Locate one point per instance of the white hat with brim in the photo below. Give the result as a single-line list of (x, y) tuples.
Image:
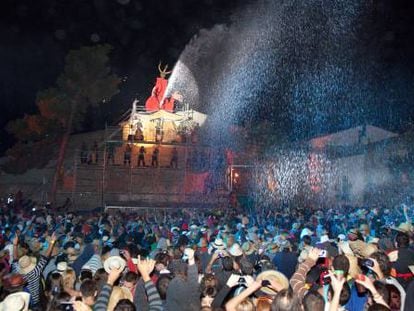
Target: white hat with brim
[(324, 239), (26, 264), (342, 237), (404, 227), (273, 275), (248, 248), (114, 262), (17, 302), (235, 250), (306, 231), (62, 266), (218, 244)]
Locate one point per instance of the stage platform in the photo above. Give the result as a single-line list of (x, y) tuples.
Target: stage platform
[(147, 207)]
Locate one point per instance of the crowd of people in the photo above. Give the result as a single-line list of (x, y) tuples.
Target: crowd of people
[(283, 258)]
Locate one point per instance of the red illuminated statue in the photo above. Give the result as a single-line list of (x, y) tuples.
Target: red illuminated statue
[(157, 101)]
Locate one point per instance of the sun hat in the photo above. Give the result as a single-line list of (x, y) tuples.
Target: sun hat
[(62, 266), (273, 275), (114, 262), (404, 227), (341, 237), (248, 248), (17, 302), (273, 248), (324, 239), (235, 250), (306, 231), (26, 264), (218, 244)]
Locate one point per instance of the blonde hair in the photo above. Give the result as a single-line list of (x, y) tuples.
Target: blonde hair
[(246, 305), (263, 303), (354, 269), (118, 293), (69, 278)]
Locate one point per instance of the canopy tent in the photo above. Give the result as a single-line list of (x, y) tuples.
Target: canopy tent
[(360, 135)]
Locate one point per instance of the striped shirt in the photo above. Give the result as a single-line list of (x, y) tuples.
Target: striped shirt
[(94, 263), (33, 279), (154, 299)]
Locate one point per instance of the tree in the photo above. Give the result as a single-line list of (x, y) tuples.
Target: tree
[(86, 81)]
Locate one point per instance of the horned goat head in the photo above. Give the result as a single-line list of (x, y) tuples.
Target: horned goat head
[(163, 72)]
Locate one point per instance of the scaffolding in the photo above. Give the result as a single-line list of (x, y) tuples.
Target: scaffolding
[(108, 182)]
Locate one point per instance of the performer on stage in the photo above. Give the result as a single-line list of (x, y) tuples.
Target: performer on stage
[(141, 156), (155, 154)]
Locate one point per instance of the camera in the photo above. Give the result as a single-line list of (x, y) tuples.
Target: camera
[(324, 278), (323, 253), (367, 263), (265, 283)]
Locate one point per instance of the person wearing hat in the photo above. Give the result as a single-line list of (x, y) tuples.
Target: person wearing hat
[(404, 259), (249, 250), (31, 270), (285, 260), (13, 282), (306, 247), (18, 301), (183, 291), (365, 232)]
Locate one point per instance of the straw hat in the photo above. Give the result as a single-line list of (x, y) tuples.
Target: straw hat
[(114, 262), (248, 248), (362, 249), (306, 231), (273, 248), (17, 302), (235, 250), (324, 239), (404, 227), (26, 264), (274, 275), (61, 267), (218, 244)]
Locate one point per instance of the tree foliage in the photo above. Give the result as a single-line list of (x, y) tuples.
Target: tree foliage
[(86, 81)]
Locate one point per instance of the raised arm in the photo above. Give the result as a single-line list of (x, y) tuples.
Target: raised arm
[(298, 279), (103, 299), (232, 304), (145, 267)]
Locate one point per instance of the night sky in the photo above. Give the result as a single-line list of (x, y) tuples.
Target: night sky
[(36, 35)]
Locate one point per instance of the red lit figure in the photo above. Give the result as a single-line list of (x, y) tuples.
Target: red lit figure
[(157, 101)]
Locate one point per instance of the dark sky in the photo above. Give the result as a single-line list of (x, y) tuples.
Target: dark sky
[(36, 35)]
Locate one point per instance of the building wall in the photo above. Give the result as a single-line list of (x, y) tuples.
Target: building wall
[(362, 172)]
